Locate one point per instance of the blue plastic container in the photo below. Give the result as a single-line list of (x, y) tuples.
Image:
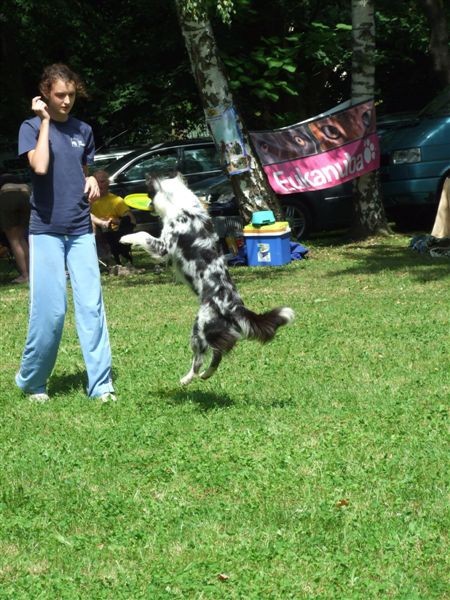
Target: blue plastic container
[(262, 217), (268, 249)]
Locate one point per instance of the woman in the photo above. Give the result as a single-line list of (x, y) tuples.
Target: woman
[(59, 148), (14, 217)]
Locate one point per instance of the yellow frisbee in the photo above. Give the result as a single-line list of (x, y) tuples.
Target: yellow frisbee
[(139, 201)]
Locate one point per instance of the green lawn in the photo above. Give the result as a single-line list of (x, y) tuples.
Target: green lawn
[(313, 467)]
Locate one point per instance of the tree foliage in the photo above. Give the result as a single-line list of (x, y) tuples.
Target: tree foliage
[(286, 60), (138, 79)]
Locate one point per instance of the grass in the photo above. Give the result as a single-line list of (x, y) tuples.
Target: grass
[(315, 467)]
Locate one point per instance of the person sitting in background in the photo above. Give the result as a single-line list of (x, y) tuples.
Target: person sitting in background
[(112, 219), (14, 220), (441, 227)]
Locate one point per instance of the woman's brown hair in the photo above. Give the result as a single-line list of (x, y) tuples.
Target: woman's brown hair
[(60, 71)]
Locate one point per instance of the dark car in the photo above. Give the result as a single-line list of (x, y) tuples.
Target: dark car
[(196, 159), (104, 157), (119, 145), (199, 162), (321, 210)]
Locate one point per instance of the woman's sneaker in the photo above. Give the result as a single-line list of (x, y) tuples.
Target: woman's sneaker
[(107, 397), (40, 398)]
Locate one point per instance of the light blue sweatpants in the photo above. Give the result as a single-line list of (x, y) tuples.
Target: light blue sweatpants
[(49, 256)]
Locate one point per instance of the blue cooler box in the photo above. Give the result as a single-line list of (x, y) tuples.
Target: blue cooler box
[(268, 249)]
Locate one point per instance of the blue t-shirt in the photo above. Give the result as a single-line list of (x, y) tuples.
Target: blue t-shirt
[(58, 202)]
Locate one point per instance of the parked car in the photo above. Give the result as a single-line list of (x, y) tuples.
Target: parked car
[(415, 160), (321, 210), (390, 121), (199, 161), (117, 146), (106, 156), (196, 159)]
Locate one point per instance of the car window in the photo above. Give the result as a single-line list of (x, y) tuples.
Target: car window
[(100, 163), (199, 160), (158, 160)]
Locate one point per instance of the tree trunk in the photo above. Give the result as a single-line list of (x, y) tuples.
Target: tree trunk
[(437, 19), (370, 217), (250, 187)]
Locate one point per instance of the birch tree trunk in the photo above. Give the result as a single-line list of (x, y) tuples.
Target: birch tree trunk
[(370, 217), (251, 188)]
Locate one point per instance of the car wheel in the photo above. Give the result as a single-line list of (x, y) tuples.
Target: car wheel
[(299, 218)]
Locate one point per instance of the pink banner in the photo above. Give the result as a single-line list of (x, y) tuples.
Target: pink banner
[(321, 152), (327, 169)]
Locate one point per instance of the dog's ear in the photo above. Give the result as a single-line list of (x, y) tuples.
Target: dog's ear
[(155, 176), (163, 173), (150, 182)]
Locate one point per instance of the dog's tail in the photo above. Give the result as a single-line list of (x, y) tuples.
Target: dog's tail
[(263, 327)]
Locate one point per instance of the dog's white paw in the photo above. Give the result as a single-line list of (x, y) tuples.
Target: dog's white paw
[(186, 380), (135, 239)]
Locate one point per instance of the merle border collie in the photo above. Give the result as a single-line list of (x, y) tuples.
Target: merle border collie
[(189, 242)]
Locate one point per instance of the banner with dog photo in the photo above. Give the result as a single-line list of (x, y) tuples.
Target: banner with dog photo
[(223, 122), (321, 152)]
